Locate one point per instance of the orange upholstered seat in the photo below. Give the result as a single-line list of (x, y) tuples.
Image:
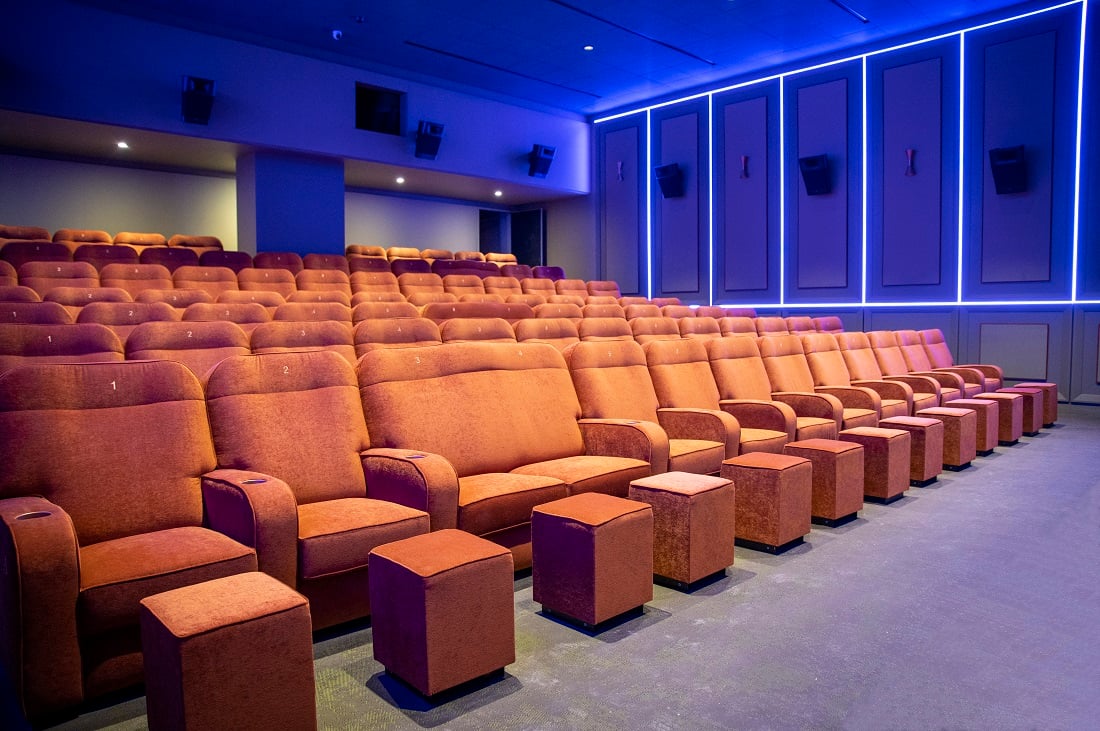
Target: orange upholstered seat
[(179, 298), (21, 344), (198, 244), (198, 345), (287, 260), (604, 328), (326, 261), (42, 276), (397, 332), (123, 317), (560, 332), (323, 280), (302, 311), (289, 337), (100, 255), (276, 280), (648, 329), (172, 258), (140, 241), (32, 312), (480, 329), (859, 357), (211, 279), (246, 315), (972, 382), (939, 355), (18, 253), (235, 260), (886, 398), (74, 299), (891, 361), (702, 328), (135, 278)]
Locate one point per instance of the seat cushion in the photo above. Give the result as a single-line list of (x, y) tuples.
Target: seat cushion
[(894, 407), (765, 440), (337, 535), (117, 574), (812, 427), (923, 401), (698, 456), (949, 394), (973, 389), (497, 500), (586, 473), (859, 417)]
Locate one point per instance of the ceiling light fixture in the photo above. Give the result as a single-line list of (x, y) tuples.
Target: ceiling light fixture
[(122, 145), (400, 180), (590, 47), (498, 193)]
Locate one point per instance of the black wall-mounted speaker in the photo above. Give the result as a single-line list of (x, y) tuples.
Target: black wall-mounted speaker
[(1009, 168), (816, 174), (670, 178), (197, 100), (538, 161), (428, 137)]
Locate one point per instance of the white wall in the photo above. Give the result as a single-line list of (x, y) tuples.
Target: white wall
[(55, 194), (382, 220)]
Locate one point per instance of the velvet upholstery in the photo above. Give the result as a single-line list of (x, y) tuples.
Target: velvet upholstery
[(135, 277), (604, 288), (289, 337), (339, 296), (74, 299), (269, 279), (18, 253), (286, 260), (500, 258), (634, 311), (469, 256), (552, 273), (170, 259), (22, 344), (269, 300), (232, 260), (463, 284), (487, 329), (337, 262), (770, 325), (9, 277), (569, 310), (178, 298), (939, 355), (34, 313), (441, 311), (374, 282), (369, 264), (837, 476), (30, 233), (103, 544), (245, 315), (382, 310), (959, 434), (199, 244), (212, 279), (800, 324), (886, 454), (789, 373), (502, 285), (16, 293), (559, 332), (862, 366), (603, 310), (730, 326), (987, 421), (42, 276), (649, 329), (703, 328), (323, 280), (73, 237), (1010, 415), (303, 312), (827, 365), (364, 250), (574, 287), (412, 285), (916, 360), (774, 497), (1033, 407), (123, 317), (1050, 399), (517, 271), (829, 324), (604, 328), (397, 332), (140, 240), (892, 362), (538, 285), (926, 445), (198, 345), (410, 266), (100, 255)]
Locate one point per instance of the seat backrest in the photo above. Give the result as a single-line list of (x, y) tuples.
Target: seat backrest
[(431, 255), (608, 310), (699, 327), (360, 297), (395, 332), (139, 240), (74, 237), (738, 370), (283, 337), (304, 311), (501, 285), (469, 256), (34, 313), (287, 260), (379, 310), (648, 329), (123, 317), (199, 244), (326, 261), (531, 416), (800, 324), (245, 314), (440, 311), (9, 277), (887, 352), (548, 272), (280, 281), (320, 295), (488, 329), (16, 293), (665, 301), (856, 350), (825, 359), (677, 311), (462, 284), (711, 311), (172, 258), (211, 279), (422, 283), (198, 345), (829, 324), (935, 346), (443, 267), (575, 287), (604, 288), (269, 300), (500, 258), (786, 363), (604, 328), (566, 299), (368, 264), (634, 311), (771, 326), (18, 253), (135, 278), (383, 281), (100, 255), (518, 271), (681, 374), (559, 309), (740, 312), (402, 252), (179, 298), (324, 280), (629, 300), (410, 266), (557, 331), (601, 300), (737, 326), (612, 380), (27, 233), (141, 484), (912, 349), (74, 299), (540, 286), (42, 276), (235, 260), (21, 344), (364, 250)]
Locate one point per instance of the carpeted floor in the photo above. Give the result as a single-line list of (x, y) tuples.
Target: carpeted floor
[(970, 604)]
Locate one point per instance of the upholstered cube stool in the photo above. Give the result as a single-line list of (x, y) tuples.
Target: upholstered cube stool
[(960, 427), (1033, 407), (235, 652), (442, 608), (1050, 400), (837, 494), (592, 556), (925, 446), (693, 524), (1010, 416), (985, 424), (885, 461), (774, 499)]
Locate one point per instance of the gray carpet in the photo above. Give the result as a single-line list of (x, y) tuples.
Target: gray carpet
[(971, 604)]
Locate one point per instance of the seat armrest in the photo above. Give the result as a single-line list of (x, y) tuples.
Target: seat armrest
[(919, 384), (819, 405), (706, 424), (854, 397), (967, 373), (40, 564), (944, 378), (258, 511), (986, 369), (420, 480), (642, 440), (890, 390), (758, 414)]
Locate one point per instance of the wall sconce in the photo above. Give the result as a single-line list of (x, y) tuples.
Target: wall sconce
[(744, 167), (910, 171)]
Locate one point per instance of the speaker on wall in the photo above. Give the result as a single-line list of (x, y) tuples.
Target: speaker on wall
[(670, 179), (197, 100), (1009, 168), (428, 137), (816, 174), (538, 161)]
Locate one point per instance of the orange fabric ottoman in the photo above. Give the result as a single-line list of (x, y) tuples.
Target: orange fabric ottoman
[(837, 478), (442, 608), (885, 461), (693, 524), (1050, 400), (592, 556), (774, 499), (1010, 416), (235, 652), (1033, 407), (926, 437), (960, 431), (986, 421)]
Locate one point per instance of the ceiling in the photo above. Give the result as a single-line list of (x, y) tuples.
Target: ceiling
[(526, 52)]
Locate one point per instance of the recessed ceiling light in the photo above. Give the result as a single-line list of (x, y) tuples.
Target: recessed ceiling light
[(400, 180), (590, 47), (498, 193), (122, 145)]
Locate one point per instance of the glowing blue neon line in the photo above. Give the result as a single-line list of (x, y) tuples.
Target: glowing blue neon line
[(863, 192), (648, 207), (782, 192), (1077, 154), (961, 193), (710, 194)]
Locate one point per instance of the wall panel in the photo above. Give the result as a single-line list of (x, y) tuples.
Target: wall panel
[(1086, 355), (621, 180), (1029, 343)]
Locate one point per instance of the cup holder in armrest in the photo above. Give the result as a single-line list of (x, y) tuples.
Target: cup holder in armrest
[(254, 481), (34, 514)]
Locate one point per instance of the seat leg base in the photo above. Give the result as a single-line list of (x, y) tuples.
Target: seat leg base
[(883, 500), (767, 547), (834, 522), (958, 467), (985, 452), (922, 483), (1013, 443)]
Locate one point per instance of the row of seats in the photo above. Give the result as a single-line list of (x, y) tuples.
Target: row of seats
[(463, 435), (74, 238)]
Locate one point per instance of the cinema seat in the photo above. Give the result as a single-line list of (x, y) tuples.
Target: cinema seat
[(886, 398), (211, 279), (481, 329), (421, 289), (939, 355), (320, 295), (519, 272), (648, 329), (246, 315), (379, 310), (198, 244), (367, 264), (22, 233), (430, 255), (469, 256), (18, 253), (504, 286), (566, 299), (711, 311), (560, 332), (604, 310), (135, 278), (665, 301), (506, 436), (677, 311), (235, 260), (542, 287), (410, 266), (42, 276), (9, 277), (771, 326), (603, 288), (383, 281), (892, 362), (613, 381), (123, 317), (75, 299), (140, 241), (294, 337), (829, 324), (81, 553), (181, 299), (100, 255), (323, 280), (737, 325), (74, 238), (17, 293), (269, 300), (326, 261), (629, 300), (500, 259), (604, 328), (789, 372), (463, 284), (286, 260), (572, 287), (860, 360), (303, 312), (171, 258), (365, 251), (682, 378), (22, 344), (917, 361), (556, 310), (548, 272), (634, 311), (800, 324), (280, 281), (441, 311), (396, 332), (34, 313), (700, 328), (198, 345)]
